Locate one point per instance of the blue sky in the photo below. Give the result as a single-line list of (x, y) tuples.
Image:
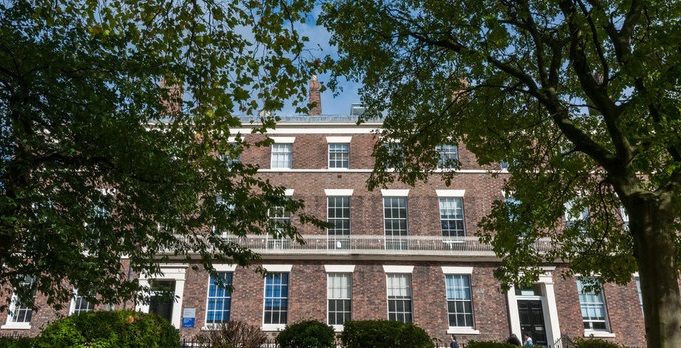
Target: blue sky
[(320, 47)]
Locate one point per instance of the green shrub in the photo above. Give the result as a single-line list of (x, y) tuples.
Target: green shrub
[(17, 342), (384, 334), (307, 334), (489, 344), (124, 329), (232, 334), (595, 343)]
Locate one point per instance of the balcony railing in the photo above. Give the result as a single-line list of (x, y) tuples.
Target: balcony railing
[(373, 244)]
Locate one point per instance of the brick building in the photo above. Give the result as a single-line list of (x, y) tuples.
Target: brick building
[(401, 253)]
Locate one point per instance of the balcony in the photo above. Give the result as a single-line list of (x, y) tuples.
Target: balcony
[(374, 245)]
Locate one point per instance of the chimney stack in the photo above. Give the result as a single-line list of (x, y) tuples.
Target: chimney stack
[(315, 97)]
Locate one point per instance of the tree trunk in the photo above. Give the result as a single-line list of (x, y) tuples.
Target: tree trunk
[(655, 245)]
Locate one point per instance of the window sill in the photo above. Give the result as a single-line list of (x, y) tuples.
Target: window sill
[(598, 334), (337, 328), (462, 331), (273, 327), (211, 327), (16, 326)]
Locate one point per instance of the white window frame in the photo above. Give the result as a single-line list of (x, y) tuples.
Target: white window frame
[(457, 205), (467, 271), (227, 298), (15, 306), (445, 153), (78, 301), (391, 204), (396, 293), (590, 305), (282, 148), (339, 294), (276, 270), (338, 148), (342, 240)]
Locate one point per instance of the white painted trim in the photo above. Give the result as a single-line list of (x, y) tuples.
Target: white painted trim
[(598, 334), (288, 192), (457, 270), (338, 192), (462, 331), (339, 269), (16, 326), (168, 272), (278, 268), (283, 140), (450, 193), (549, 307), (223, 267), (338, 140), (398, 269), (395, 193), (273, 327)]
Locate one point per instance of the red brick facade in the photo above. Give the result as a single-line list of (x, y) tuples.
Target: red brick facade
[(495, 312)]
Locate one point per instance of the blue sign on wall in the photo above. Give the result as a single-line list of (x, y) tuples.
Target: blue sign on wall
[(188, 322)]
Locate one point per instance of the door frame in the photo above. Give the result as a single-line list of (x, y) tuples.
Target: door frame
[(548, 300), (168, 272)]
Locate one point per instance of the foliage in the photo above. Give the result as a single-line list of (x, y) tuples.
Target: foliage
[(123, 328), (595, 343), (115, 121), (383, 334), (233, 334), (580, 97), (307, 334), (489, 344), (17, 342)]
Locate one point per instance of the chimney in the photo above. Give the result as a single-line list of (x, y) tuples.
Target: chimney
[(315, 97)]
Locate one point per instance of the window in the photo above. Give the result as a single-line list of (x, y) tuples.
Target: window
[(451, 217), (219, 303), (594, 314), (576, 216), (339, 155), (625, 218), (20, 311), (448, 156), (279, 225), (80, 305), (638, 290), (276, 298), (459, 304), (395, 222), (282, 156), (231, 159), (339, 294), (399, 297), (338, 214), (394, 155)]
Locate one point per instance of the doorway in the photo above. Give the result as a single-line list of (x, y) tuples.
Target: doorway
[(162, 298), (531, 315)]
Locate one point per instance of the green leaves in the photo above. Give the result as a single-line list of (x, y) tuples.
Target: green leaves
[(124, 107), (582, 99)]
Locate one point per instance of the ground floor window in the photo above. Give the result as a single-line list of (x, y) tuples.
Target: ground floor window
[(276, 298), (219, 303), (459, 304), (399, 297)]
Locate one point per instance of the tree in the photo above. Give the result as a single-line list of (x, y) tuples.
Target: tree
[(581, 98), (116, 143)]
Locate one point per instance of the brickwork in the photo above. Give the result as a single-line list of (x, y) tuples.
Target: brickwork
[(309, 177)]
